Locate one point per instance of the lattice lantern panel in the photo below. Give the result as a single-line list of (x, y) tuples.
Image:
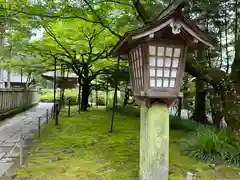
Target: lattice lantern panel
[(163, 66), (136, 65)]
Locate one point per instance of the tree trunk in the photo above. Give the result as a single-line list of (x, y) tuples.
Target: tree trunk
[(220, 43), (96, 97), (180, 108), (126, 96), (200, 101), (216, 108), (107, 91), (226, 37), (91, 93), (85, 89), (62, 90), (79, 95), (85, 92)]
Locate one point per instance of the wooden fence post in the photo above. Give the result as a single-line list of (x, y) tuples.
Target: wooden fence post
[(56, 114), (47, 117), (39, 126), (69, 107), (21, 155)]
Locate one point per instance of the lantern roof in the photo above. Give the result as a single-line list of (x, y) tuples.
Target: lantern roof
[(50, 75), (66, 81), (172, 17)]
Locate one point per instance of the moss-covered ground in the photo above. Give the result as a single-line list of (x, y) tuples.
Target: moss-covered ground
[(82, 148)]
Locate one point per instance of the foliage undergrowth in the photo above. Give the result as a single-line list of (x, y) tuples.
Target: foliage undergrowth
[(185, 125), (81, 148), (49, 96), (129, 110), (101, 99), (176, 123), (213, 145)]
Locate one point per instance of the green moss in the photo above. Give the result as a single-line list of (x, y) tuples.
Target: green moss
[(81, 147)]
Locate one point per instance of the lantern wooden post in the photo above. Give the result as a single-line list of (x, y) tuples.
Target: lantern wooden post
[(143, 141), (157, 142), (154, 140)]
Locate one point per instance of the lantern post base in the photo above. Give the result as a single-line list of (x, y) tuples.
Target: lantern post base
[(154, 142)]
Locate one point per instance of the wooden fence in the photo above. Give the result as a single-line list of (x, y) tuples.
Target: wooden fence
[(17, 98)]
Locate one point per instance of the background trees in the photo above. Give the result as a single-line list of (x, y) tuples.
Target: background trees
[(80, 34)]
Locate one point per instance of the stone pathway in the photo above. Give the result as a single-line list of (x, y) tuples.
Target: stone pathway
[(10, 131)]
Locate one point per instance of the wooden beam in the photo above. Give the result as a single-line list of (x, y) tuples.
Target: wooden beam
[(152, 31), (190, 31)]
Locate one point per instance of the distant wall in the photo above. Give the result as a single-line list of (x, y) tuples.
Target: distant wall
[(17, 98), (2, 84)]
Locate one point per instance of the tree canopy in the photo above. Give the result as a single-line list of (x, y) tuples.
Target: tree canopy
[(81, 34)]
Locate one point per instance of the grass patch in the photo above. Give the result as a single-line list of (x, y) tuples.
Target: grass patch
[(81, 148)]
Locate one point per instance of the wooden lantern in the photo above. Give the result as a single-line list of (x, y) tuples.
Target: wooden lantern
[(157, 69), (66, 81), (157, 53)]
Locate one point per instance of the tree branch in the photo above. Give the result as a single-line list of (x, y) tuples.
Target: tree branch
[(50, 33), (49, 16), (115, 2), (141, 11), (213, 76), (94, 75), (91, 38), (100, 20), (104, 54)]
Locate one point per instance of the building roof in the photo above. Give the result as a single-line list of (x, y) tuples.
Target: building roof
[(67, 81), (58, 74), (14, 78), (171, 15)]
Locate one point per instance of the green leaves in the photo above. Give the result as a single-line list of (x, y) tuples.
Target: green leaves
[(83, 32)]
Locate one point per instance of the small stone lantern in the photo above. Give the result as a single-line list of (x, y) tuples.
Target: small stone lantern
[(156, 53)]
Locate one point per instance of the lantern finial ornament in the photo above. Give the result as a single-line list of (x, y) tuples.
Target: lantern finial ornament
[(176, 27)]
